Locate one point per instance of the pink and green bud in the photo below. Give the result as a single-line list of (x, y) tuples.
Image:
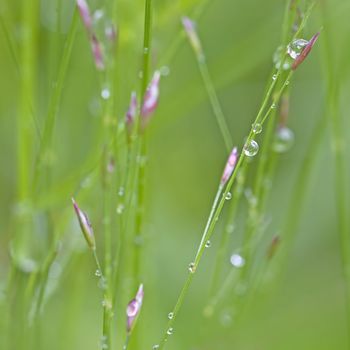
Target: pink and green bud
[(133, 310), (85, 15), (131, 113), (307, 49), (150, 100), (230, 166), (85, 226), (191, 32)]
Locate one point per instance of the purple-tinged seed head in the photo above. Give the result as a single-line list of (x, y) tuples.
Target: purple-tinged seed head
[(85, 15), (191, 32), (97, 53), (230, 166), (307, 49), (133, 309), (150, 100), (131, 113), (85, 225)]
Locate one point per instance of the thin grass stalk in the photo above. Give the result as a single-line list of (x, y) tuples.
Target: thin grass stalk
[(142, 145), (215, 103), (213, 217), (211, 223)]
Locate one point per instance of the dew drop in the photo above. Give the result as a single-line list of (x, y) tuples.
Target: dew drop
[(295, 48), (120, 209), (192, 267), (228, 196), (121, 192), (287, 82), (164, 71), (251, 148), (170, 331), (98, 273), (155, 347), (273, 106), (278, 58), (170, 315), (284, 140), (237, 261), (208, 244), (257, 128), (105, 94), (274, 77), (146, 50)]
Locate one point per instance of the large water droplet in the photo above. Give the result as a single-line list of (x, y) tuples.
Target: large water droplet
[(192, 267), (257, 128), (155, 347), (98, 273), (228, 196), (170, 331), (170, 315), (237, 260), (251, 148), (284, 140), (274, 77), (295, 48)]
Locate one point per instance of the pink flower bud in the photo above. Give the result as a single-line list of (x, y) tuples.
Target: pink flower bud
[(133, 309), (150, 100), (97, 53), (85, 226), (300, 59), (230, 166), (191, 32), (131, 113), (85, 15)]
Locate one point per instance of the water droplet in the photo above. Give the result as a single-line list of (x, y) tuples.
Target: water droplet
[(237, 261), (120, 208), (284, 140), (155, 347), (102, 283), (228, 196), (165, 71), (295, 48), (230, 228), (105, 94), (257, 128), (121, 192), (145, 50), (98, 273), (170, 331), (278, 58), (170, 315), (251, 148), (226, 319), (287, 82), (273, 106), (208, 244), (274, 77), (192, 267)]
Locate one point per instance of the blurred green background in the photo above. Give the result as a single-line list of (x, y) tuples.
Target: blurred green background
[(186, 157)]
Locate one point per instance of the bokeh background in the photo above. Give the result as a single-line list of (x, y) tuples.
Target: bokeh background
[(306, 310)]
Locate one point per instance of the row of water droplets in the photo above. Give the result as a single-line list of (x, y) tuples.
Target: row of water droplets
[(284, 137)]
